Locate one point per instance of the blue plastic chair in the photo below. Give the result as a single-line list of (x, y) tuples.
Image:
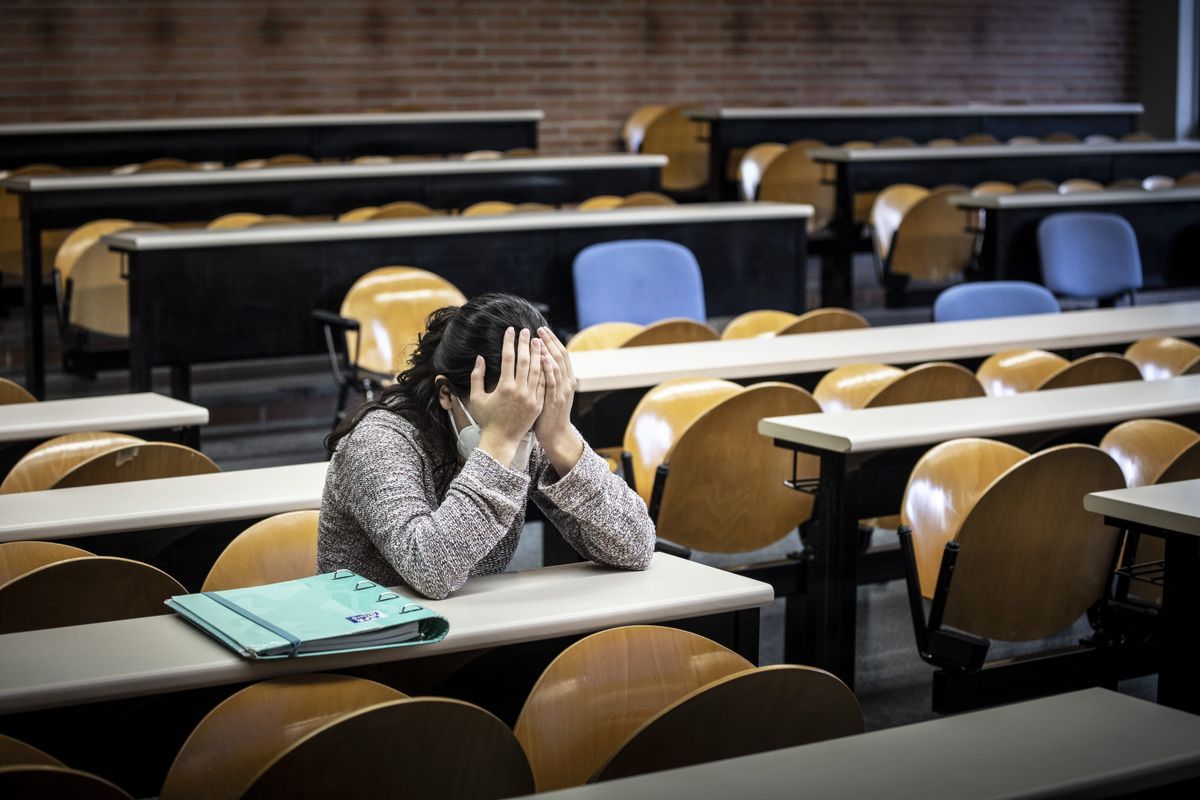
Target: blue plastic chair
[(1088, 254), (637, 280), (993, 299)]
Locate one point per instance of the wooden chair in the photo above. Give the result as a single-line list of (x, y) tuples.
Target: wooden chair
[(94, 297), (156, 165), (379, 321), (80, 591), (1060, 137), (1077, 185), (12, 393), (890, 206), (236, 220), (50, 780), (1004, 541), (10, 225), (1017, 371), (1037, 185), (757, 324), (672, 331), (525, 208), (138, 462), (43, 466), (1018, 141), (602, 336), (488, 207), (1164, 357), (276, 219), (639, 199), (14, 752), (1138, 136), (753, 165), (372, 160), (1093, 369), (979, 139), (284, 160), (402, 209), (993, 187), (279, 548), (684, 142), (601, 202), (360, 214), (793, 177), (857, 386), (755, 711), (896, 141), (823, 320), (482, 155), (932, 242), (1158, 183), (602, 689), (634, 130), (18, 558)]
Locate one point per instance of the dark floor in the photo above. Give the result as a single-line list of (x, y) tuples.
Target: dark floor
[(272, 413)]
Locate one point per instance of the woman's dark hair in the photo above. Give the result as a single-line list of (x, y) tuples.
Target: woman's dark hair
[(453, 337)]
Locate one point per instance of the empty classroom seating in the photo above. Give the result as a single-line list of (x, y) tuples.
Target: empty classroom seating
[(645, 199), (280, 548), (11, 266), (793, 177), (601, 202), (767, 322), (634, 131), (1015, 371), (682, 140), (1164, 357), (993, 299), (920, 234), (874, 385), (86, 459), (637, 280), (1089, 255), (12, 392), (753, 166), (486, 207), (610, 335)]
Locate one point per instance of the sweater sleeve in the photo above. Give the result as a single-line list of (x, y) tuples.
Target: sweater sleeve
[(432, 548), (595, 511)]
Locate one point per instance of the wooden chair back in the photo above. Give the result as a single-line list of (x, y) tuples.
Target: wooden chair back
[(757, 324), (761, 709), (80, 591), (80, 239), (525, 208), (642, 199), (403, 209), (602, 336), (521, 152), (823, 320), (979, 139), (487, 207), (661, 417), (279, 548), (601, 202), (18, 558), (238, 219), (276, 219), (993, 187), (138, 462), (1093, 369), (933, 242), (14, 752), (391, 305), (99, 295), (1016, 371), (12, 393), (937, 380), (890, 207), (1077, 185), (360, 214), (482, 155), (1164, 357), (43, 466), (897, 141), (601, 689), (1138, 136), (156, 165), (1190, 179), (672, 331), (235, 741), (850, 386), (634, 130), (719, 503), (282, 160), (684, 142), (50, 780), (10, 225), (793, 177), (1037, 185), (754, 165), (1029, 540)]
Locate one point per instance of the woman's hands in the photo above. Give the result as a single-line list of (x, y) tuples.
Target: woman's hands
[(553, 427), (509, 411)]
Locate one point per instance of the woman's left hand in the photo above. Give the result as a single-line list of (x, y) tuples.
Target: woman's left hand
[(553, 427)]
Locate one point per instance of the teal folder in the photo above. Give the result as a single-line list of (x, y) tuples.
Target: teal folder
[(331, 613)]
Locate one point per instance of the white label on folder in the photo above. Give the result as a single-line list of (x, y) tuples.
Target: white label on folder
[(367, 617)]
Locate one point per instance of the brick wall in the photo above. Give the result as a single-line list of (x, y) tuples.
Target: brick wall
[(587, 63)]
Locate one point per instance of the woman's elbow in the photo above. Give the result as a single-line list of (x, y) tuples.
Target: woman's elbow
[(435, 586), (643, 552)]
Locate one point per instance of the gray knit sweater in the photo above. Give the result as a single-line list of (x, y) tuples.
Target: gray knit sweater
[(382, 518)]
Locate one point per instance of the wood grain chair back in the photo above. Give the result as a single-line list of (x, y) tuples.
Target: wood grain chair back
[(12, 393), (1093, 369), (487, 207), (156, 165), (10, 224), (850, 386), (601, 689), (276, 219), (719, 503), (43, 466), (890, 206), (1164, 357), (360, 214), (279, 548), (282, 160), (757, 324), (80, 239), (403, 209), (601, 202), (602, 336), (979, 139), (1060, 137), (18, 558), (793, 177), (754, 164), (99, 294), (634, 130), (761, 709), (391, 305), (897, 141), (238, 219), (672, 331), (1029, 540), (1037, 185), (933, 242), (645, 199), (138, 462), (242, 734), (1138, 136), (525, 208), (937, 380), (372, 160), (14, 752), (684, 142), (993, 187), (80, 591), (482, 155), (824, 320), (1077, 185), (1020, 370), (49, 780), (661, 417)]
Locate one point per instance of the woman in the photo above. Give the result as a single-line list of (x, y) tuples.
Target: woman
[(428, 485)]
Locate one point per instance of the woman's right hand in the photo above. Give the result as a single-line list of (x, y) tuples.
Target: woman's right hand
[(507, 413)]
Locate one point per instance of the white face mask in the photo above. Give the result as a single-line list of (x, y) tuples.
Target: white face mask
[(468, 440)]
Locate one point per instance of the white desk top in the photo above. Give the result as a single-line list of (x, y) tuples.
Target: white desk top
[(22, 422), (1170, 506), (970, 110), (270, 121), (1186, 194), (1082, 744), (328, 172), (129, 658), (694, 213), (892, 427), (605, 370), (138, 505), (841, 154)]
